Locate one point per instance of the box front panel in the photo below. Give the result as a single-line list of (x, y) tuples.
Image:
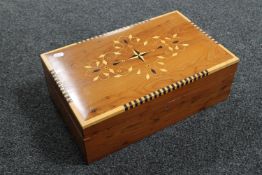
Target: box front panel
[(135, 124)]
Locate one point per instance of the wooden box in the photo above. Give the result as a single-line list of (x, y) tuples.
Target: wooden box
[(119, 87)]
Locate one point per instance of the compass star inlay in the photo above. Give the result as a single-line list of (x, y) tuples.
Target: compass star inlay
[(150, 54), (138, 55)]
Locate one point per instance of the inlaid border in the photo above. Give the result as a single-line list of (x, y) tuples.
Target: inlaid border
[(164, 90), (132, 25), (109, 33), (60, 86), (149, 97), (160, 92), (58, 82)]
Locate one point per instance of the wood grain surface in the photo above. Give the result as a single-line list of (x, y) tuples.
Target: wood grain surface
[(117, 88), (126, 128), (105, 72)]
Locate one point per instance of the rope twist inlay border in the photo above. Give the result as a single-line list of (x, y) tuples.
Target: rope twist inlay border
[(141, 22), (210, 37), (60, 86), (165, 90), (126, 27)]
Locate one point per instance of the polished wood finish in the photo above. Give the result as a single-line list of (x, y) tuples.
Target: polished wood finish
[(119, 87), (66, 113), (133, 125), (174, 48)]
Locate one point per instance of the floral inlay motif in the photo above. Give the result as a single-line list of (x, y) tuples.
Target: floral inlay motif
[(130, 52)]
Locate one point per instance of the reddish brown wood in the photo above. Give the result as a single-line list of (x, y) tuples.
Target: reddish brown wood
[(97, 97), (96, 109), (131, 126), (64, 109)]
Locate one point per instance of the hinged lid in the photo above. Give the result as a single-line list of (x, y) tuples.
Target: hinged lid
[(110, 73)]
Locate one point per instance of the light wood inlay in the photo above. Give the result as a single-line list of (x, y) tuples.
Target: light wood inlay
[(133, 125), (94, 98)]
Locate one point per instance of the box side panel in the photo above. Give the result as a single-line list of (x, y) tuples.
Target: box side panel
[(115, 133), (64, 109)]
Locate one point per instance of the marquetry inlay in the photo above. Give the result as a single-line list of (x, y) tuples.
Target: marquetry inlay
[(128, 49)]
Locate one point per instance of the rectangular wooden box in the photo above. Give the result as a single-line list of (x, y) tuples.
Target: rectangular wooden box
[(117, 88)]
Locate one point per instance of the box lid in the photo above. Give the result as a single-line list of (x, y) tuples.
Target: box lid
[(119, 70)]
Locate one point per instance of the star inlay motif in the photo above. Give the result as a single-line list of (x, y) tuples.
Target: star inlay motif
[(138, 55), (131, 48)]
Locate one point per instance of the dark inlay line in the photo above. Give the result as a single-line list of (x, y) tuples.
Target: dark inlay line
[(136, 104), (166, 89), (177, 85), (131, 105), (169, 89), (186, 81), (155, 94), (126, 108), (150, 97), (191, 80), (160, 93), (146, 99)]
